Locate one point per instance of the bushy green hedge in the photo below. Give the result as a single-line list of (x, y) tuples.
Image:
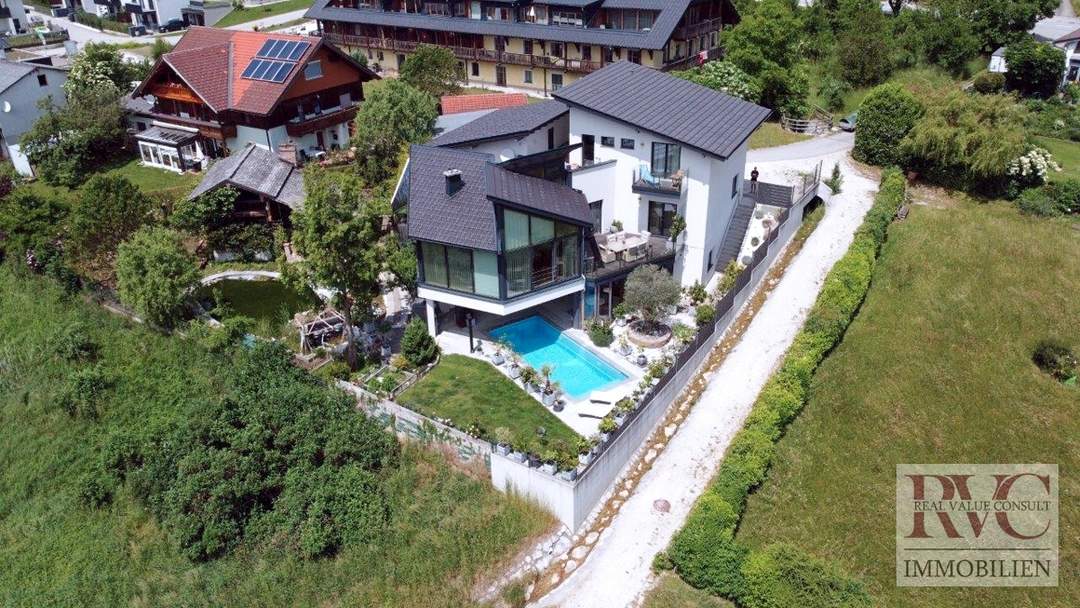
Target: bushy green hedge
[(705, 552), (885, 117)]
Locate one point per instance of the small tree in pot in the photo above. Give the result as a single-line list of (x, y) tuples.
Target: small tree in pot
[(514, 369), (545, 382), (528, 378), (550, 458), (620, 312), (555, 390), (498, 352), (651, 291), (585, 448), (607, 427)]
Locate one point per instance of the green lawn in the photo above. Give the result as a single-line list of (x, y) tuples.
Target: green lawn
[(261, 12), (446, 530), (467, 391), (671, 592), (935, 368), (1066, 153), (271, 304), (148, 179), (918, 80), (772, 134)]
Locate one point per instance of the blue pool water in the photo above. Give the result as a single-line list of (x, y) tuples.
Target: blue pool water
[(577, 370)]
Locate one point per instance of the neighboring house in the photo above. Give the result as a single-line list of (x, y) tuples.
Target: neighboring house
[(152, 14), (13, 18), (219, 90), (1062, 32), (653, 147), (457, 104), (270, 184), (513, 132), (495, 205), (537, 45), (22, 86)]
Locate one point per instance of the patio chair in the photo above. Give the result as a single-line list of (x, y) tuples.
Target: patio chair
[(635, 253), (676, 179), (647, 176), (607, 256)]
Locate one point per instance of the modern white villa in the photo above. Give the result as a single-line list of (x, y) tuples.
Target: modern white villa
[(549, 207)]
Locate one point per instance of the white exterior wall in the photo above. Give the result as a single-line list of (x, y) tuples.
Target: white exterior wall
[(537, 141), (18, 22), (270, 138), (705, 201)]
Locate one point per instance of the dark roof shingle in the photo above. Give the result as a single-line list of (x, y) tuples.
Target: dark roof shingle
[(672, 107), (467, 218), (503, 124), (256, 170)]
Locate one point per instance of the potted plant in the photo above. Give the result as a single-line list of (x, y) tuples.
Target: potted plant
[(641, 360), (514, 369), (548, 396), (585, 447), (558, 404), (567, 467), (503, 439), (534, 460), (624, 346), (497, 356), (621, 312), (616, 226), (607, 427), (517, 448), (551, 459), (528, 378)]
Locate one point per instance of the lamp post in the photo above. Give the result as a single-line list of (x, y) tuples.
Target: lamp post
[(470, 322)]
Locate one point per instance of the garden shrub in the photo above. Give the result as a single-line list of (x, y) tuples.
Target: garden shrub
[(703, 315), (600, 333), (417, 345), (782, 575), (335, 370), (83, 394), (1065, 194), (989, 83), (704, 552), (1055, 358), (96, 489), (155, 274), (245, 240), (885, 117), (72, 343), (1037, 201)]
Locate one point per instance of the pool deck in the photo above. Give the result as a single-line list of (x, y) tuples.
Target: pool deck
[(581, 415)]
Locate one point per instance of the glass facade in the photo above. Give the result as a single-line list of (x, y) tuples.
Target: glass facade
[(539, 251)]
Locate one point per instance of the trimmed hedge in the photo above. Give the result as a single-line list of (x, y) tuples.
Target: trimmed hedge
[(885, 117), (705, 552)]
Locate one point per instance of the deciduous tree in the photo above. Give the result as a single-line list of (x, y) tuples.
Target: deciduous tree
[(885, 117), (155, 274), (651, 290), (432, 69), (391, 117), (108, 210), (1035, 70)]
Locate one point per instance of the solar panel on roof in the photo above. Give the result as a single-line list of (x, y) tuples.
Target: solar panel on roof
[(275, 60), (265, 47), (282, 72), (262, 70), (285, 49), (251, 68), (301, 48)]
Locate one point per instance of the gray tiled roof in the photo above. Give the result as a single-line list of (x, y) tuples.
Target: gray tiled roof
[(169, 137), (655, 39), (539, 194), (256, 170), (504, 124), (467, 219), (678, 109)]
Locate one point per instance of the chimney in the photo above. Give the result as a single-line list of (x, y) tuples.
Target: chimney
[(286, 151), (453, 181)]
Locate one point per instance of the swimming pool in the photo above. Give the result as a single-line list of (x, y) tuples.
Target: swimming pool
[(577, 370)]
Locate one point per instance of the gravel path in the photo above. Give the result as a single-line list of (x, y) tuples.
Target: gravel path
[(617, 572)]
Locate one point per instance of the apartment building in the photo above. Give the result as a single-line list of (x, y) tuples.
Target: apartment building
[(538, 46)]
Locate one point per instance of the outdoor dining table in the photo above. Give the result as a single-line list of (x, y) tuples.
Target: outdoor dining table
[(620, 242)]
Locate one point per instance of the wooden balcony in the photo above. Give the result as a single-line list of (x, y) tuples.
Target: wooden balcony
[(468, 54), (318, 122), (175, 92), (691, 31), (207, 128)]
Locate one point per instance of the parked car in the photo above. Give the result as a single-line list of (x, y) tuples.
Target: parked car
[(848, 122), (172, 25)]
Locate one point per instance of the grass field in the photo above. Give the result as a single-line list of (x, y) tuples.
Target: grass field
[(468, 391), (148, 179), (671, 592), (935, 368), (918, 80), (445, 529), (1066, 153), (236, 17), (771, 134)]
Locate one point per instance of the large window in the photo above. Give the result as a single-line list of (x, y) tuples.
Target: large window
[(460, 269), (539, 251), (661, 216), (665, 159)]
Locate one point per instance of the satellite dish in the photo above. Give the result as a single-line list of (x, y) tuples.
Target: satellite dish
[(7, 106)]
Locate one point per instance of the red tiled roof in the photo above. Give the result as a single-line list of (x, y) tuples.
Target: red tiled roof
[(456, 104), (210, 60)]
